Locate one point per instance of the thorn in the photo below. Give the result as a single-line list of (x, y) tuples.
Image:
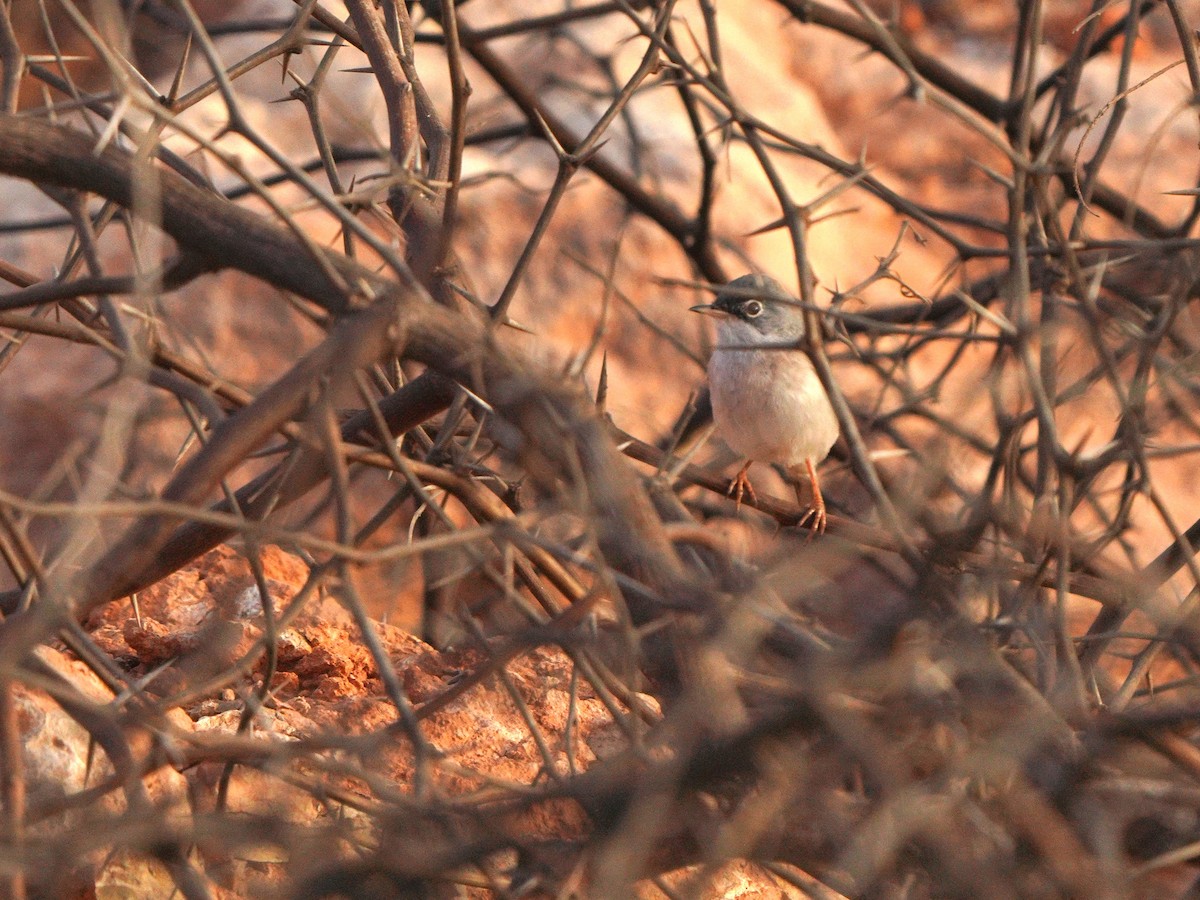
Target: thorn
[(512, 323), (551, 139), (602, 387), (50, 59), (582, 159), (770, 226), (113, 126)]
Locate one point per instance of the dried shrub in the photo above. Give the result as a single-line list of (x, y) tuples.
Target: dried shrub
[(351, 550)]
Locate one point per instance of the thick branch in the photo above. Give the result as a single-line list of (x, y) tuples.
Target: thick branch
[(552, 427)]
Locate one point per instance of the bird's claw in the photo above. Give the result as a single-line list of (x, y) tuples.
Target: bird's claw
[(815, 518), (814, 513), (739, 486)]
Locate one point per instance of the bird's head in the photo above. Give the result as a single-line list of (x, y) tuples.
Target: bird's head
[(755, 309)]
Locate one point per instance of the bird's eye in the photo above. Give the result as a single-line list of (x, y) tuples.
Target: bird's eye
[(752, 308)]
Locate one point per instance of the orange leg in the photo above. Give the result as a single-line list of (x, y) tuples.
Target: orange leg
[(740, 486), (814, 513)]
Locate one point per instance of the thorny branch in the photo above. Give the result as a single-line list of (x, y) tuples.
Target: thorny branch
[(1007, 596)]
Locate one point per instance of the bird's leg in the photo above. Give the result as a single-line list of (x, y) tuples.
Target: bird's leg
[(814, 513), (740, 486)]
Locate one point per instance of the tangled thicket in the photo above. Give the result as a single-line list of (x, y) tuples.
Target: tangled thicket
[(980, 682)]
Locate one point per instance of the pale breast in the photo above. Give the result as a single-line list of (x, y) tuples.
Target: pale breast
[(770, 406)]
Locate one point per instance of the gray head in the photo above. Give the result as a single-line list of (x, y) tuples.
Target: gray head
[(755, 309)]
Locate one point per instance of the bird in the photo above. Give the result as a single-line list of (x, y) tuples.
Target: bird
[(768, 403)]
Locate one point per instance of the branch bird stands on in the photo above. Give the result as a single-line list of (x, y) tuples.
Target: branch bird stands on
[(768, 403)]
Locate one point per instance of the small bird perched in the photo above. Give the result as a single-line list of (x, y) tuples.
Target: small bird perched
[(768, 403)]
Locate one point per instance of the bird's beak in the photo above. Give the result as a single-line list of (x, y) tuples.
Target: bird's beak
[(710, 309)]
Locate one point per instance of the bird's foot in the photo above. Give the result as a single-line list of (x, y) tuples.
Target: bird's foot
[(739, 486), (814, 516), (815, 519)]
